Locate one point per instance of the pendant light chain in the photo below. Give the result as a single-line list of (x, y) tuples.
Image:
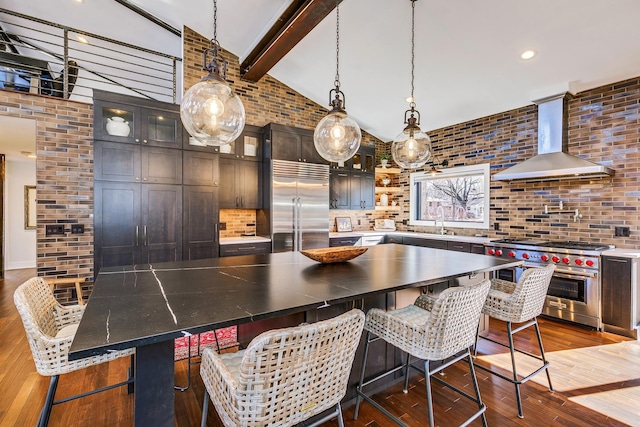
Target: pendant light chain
[(337, 81), (215, 21), (413, 47)]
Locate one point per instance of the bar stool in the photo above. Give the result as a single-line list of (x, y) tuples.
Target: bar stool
[(50, 328), (441, 329), (285, 376), (519, 302)]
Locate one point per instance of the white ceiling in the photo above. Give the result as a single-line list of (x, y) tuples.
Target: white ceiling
[(17, 137), (467, 51)]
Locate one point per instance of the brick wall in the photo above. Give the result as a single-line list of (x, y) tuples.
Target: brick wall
[(604, 127), (64, 179)]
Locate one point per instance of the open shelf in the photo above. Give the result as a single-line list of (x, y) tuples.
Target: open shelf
[(388, 208), (388, 171), (395, 190)]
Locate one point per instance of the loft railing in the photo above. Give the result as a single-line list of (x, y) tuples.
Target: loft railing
[(43, 57)]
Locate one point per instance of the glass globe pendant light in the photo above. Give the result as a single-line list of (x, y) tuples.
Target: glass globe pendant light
[(412, 148), (211, 112), (337, 136)]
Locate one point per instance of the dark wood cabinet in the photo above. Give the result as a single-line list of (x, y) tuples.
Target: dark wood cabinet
[(459, 246), (126, 119), (251, 248), (339, 189), (200, 168), (130, 163), (362, 190), (619, 302), (248, 146), (239, 184), (290, 143), (364, 159), (393, 239), (476, 248), (136, 223), (200, 222)]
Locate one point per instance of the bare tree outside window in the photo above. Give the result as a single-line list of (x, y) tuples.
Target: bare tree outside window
[(458, 197)]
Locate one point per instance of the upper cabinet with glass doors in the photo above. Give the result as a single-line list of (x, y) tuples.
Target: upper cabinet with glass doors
[(118, 120)]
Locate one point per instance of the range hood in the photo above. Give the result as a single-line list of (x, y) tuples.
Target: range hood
[(553, 161)]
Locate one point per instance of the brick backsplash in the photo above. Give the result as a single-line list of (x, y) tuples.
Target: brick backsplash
[(237, 222), (603, 127)]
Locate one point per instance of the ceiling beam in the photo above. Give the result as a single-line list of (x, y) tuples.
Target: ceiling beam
[(292, 26)]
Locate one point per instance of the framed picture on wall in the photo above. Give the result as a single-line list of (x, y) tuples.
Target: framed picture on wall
[(343, 224), (29, 207)]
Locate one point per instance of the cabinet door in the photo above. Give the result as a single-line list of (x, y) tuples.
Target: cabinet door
[(308, 151), (368, 191), (228, 195), (200, 168), (161, 165), (117, 230), (160, 128), (161, 223), (338, 190), (248, 185), (285, 146), (356, 182), (200, 222), (116, 162), (113, 121), (459, 246), (476, 248), (248, 146), (616, 292)]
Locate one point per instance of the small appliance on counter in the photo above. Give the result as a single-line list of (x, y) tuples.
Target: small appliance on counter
[(384, 225)]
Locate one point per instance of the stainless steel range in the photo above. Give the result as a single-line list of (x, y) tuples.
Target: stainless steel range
[(574, 292)]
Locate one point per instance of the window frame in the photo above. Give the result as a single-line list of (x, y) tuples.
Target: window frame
[(455, 172)]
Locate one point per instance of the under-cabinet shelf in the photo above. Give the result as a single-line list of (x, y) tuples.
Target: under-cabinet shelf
[(388, 208), (395, 190)]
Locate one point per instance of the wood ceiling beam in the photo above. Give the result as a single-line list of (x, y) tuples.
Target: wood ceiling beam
[(292, 26)]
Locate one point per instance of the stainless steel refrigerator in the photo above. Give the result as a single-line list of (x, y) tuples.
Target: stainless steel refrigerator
[(298, 206)]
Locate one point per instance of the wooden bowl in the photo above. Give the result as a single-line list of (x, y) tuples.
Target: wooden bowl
[(336, 254)]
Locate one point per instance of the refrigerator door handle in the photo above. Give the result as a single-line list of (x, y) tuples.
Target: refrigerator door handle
[(294, 234), (299, 225)]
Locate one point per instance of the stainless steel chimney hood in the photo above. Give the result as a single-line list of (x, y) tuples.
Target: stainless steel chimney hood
[(553, 161)]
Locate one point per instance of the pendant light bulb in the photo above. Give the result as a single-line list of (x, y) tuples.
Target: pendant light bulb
[(210, 111), (337, 136)]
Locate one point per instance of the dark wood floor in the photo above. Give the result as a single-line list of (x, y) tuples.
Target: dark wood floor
[(23, 390)]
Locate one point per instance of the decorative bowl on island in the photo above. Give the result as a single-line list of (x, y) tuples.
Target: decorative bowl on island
[(335, 254)]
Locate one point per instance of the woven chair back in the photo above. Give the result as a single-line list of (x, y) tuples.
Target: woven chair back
[(36, 306), (453, 322), (290, 375), (530, 293)]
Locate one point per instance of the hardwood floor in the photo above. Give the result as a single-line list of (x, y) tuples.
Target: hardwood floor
[(577, 356)]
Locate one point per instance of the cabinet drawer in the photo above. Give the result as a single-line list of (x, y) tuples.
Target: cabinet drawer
[(427, 243), (343, 241), (477, 248), (245, 249), (459, 246), (393, 239)]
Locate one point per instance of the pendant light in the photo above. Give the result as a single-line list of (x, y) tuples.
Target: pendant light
[(412, 148), (337, 136), (211, 112)]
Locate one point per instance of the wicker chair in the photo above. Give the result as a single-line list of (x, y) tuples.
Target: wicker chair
[(285, 376), (50, 328), (430, 330), (519, 302)]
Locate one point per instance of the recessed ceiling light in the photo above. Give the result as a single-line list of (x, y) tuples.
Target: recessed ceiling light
[(528, 54), (28, 154), (79, 1), (83, 40)]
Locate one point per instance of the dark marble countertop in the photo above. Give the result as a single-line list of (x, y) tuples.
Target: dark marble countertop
[(146, 304)]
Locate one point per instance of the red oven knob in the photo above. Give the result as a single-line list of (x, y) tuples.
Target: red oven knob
[(544, 258), (512, 254), (566, 260), (498, 252), (525, 255), (589, 263), (555, 259), (491, 252), (578, 262)]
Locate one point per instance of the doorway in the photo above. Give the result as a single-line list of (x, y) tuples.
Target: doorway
[(17, 174)]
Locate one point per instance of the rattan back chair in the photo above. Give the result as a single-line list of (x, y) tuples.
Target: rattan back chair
[(521, 303), (431, 329), (50, 328), (285, 376)]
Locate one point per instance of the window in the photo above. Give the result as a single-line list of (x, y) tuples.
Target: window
[(457, 197)]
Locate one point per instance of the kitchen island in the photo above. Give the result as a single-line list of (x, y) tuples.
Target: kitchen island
[(148, 306)]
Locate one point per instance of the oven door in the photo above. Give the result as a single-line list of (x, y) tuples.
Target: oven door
[(574, 297)]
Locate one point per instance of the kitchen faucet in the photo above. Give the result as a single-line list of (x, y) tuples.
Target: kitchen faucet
[(440, 210)]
